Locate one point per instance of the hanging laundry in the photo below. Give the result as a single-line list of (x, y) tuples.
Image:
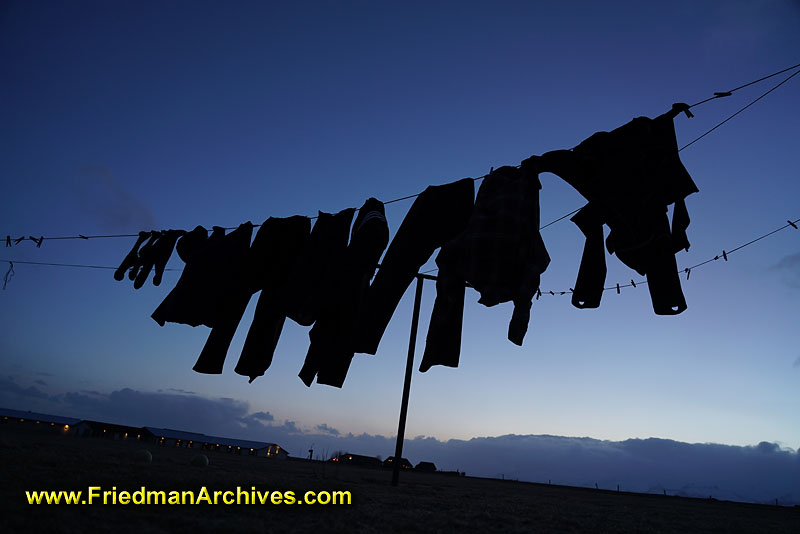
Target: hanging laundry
[(500, 253), (312, 281), (630, 175), (273, 257), (141, 256), (196, 298), (131, 259), (156, 255), (437, 215), (237, 291), (331, 349), (164, 248), (592, 272)]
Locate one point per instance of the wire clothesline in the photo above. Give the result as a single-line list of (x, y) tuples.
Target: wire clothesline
[(687, 270), (717, 95)]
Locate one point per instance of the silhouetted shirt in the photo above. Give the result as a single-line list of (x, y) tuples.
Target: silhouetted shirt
[(500, 253), (630, 175), (195, 297)]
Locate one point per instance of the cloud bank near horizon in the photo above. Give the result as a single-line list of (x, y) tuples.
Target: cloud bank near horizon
[(759, 473)]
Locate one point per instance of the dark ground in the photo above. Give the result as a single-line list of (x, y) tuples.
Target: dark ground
[(37, 458)]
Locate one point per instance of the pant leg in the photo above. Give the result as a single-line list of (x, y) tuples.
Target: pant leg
[(436, 216)]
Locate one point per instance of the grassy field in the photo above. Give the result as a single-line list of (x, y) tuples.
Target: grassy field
[(36, 458)]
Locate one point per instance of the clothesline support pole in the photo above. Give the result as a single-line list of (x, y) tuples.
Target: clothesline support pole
[(412, 342)]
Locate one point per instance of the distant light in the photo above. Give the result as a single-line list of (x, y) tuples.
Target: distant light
[(66, 427)]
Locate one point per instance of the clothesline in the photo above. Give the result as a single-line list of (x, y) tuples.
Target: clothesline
[(687, 270), (717, 95)]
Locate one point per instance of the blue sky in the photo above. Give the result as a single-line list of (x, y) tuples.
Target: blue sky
[(127, 116)]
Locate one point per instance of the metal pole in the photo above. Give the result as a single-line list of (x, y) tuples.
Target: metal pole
[(401, 426)]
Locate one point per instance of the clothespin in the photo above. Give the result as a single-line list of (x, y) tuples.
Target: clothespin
[(538, 293), (793, 225), (683, 107), (37, 241), (562, 293), (552, 293), (724, 256), (617, 289), (571, 290), (8, 240), (721, 94), (9, 274), (688, 272), (82, 236), (633, 283), (19, 240)]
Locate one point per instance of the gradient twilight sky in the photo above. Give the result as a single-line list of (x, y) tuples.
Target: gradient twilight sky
[(126, 116)]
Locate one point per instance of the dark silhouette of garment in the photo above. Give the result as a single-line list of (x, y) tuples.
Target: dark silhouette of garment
[(164, 248), (155, 254), (500, 253), (311, 282), (273, 256), (130, 260), (233, 298), (588, 288), (630, 175), (437, 215), (142, 258), (197, 296), (331, 349)]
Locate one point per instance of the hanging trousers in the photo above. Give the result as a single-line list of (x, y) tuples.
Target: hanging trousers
[(437, 215)]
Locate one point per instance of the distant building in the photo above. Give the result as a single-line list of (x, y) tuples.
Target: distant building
[(356, 459), (404, 463), (178, 438), (98, 429), (428, 467), (57, 422)]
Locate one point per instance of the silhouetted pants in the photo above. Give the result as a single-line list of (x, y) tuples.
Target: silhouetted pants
[(437, 215)]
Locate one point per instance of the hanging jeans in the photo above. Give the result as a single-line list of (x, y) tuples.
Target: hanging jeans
[(437, 215)]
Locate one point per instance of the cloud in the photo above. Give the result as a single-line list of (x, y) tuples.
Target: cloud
[(12, 393), (796, 362), (102, 196), (758, 473), (263, 416), (325, 429), (40, 382), (789, 268)]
